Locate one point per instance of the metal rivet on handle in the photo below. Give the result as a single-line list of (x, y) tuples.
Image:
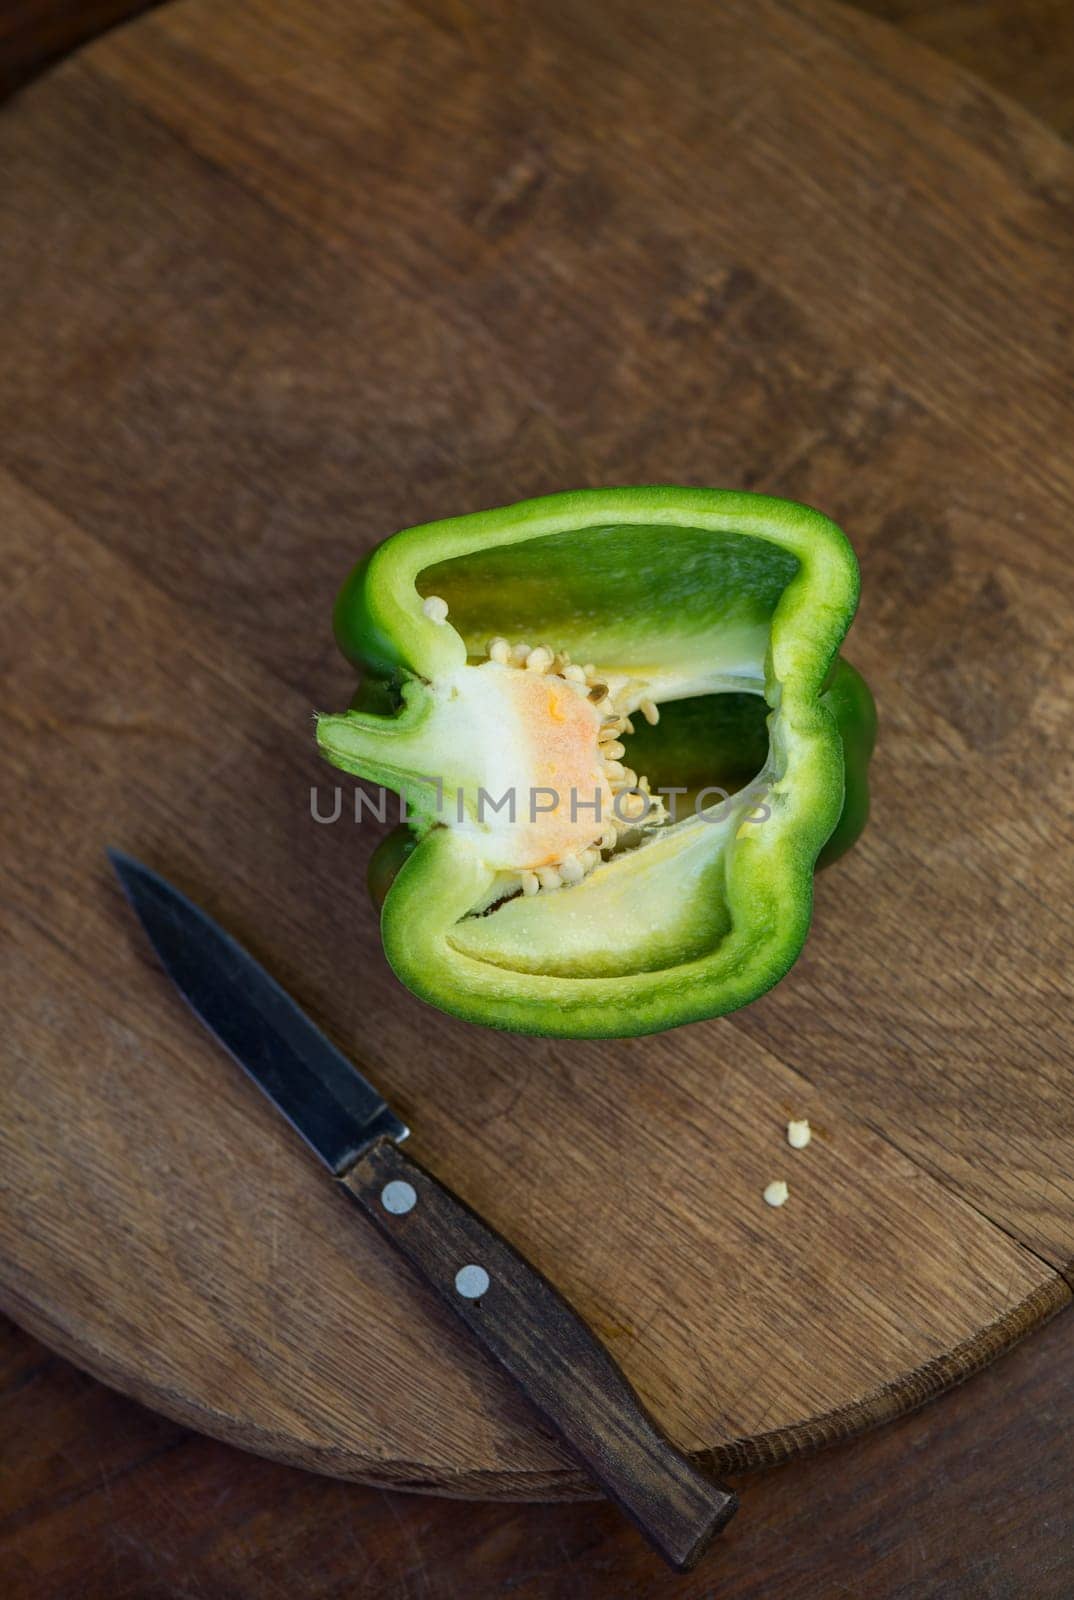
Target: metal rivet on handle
[(398, 1197), (471, 1282)]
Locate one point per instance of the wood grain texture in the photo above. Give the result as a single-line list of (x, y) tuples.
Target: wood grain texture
[(36, 33), (965, 1500), (1025, 48), (285, 281)]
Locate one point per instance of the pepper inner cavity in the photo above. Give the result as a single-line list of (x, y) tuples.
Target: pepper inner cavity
[(584, 801)]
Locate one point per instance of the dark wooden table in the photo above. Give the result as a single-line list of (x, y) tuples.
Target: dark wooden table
[(971, 1498)]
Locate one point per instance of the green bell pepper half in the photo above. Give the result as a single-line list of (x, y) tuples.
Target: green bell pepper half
[(596, 647)]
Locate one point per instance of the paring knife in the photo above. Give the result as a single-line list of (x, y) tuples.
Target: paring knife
[(508, 1306)]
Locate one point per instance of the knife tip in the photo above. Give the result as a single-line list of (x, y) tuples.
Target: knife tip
[(123, 865)]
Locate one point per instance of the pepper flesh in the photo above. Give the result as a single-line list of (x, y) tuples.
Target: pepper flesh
[(586, 642)]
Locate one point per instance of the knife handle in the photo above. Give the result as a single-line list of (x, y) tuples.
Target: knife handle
[(542, 1342)]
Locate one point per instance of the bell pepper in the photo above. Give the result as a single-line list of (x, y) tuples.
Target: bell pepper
[(532, 678)]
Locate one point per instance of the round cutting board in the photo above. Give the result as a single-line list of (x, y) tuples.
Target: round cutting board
[(280, 278)]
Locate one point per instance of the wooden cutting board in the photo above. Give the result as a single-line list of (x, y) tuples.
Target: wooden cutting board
[(284, 276)]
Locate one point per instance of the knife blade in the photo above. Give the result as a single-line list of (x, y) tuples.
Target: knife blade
[(522, 1321), (325, 1099)]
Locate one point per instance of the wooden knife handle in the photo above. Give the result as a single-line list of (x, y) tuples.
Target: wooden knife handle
[(556, 1360)]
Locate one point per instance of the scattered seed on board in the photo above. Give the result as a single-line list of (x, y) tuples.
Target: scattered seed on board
[(799, 1134), (435, 609), (776, 1193)]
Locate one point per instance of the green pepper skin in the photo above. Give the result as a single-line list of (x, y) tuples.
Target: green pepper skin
[(387, 860), (731, 609), (850, 700)]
